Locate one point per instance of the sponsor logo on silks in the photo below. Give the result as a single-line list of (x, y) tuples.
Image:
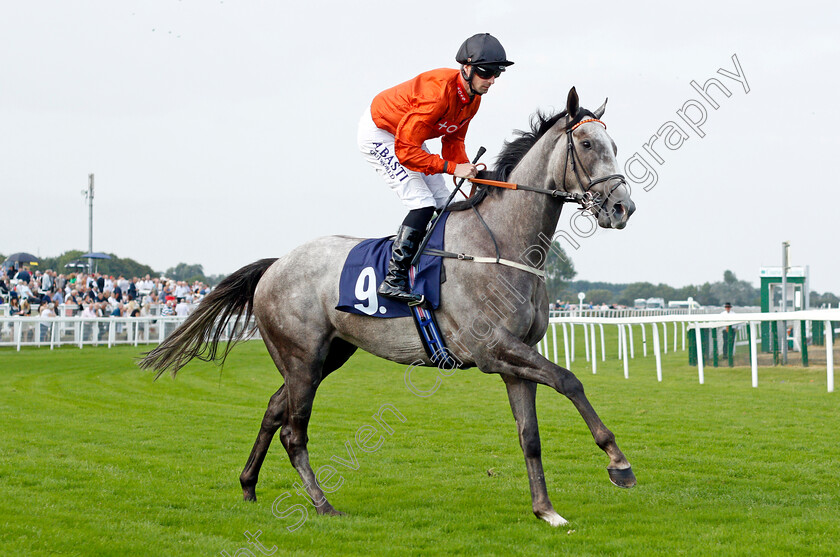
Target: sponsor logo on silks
[(445, 127), (462, 93), (390, 164)]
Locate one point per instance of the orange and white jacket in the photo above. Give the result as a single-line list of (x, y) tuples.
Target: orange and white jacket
[(433, 104)]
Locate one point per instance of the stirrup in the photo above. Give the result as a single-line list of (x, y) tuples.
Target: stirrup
[(421, 302)]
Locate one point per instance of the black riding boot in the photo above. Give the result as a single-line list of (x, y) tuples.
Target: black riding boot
[(396, 285)]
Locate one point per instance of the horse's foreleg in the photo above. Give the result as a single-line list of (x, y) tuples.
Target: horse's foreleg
[(271, 422), (511, 356), (522, 396)]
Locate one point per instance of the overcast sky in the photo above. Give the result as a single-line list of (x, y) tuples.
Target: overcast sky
[(223, 132)]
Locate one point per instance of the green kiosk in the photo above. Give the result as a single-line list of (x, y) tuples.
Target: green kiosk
[(771, 298)]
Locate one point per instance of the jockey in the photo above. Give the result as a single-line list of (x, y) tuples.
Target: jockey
[(437, 103)]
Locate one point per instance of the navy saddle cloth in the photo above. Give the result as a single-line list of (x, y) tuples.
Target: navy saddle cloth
[(366, 267)]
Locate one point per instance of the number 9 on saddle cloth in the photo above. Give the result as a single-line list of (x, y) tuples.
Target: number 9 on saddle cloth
[(366, 266)]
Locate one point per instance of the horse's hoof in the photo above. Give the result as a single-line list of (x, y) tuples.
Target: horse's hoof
[(329, 510), (553, 518), (622, 477), (249, 494)]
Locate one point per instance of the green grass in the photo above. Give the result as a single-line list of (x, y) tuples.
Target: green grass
[(96, 459)]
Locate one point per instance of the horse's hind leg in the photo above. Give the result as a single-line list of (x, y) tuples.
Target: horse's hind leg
[(293, 435), (339, 352), (271, 422), (522, 396)]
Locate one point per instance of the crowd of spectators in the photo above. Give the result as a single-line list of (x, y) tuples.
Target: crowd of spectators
[(95, 295)]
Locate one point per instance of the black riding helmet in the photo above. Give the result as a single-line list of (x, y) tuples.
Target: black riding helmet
[(482, 50)]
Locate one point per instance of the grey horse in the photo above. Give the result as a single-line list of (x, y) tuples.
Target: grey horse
[(492, 315)]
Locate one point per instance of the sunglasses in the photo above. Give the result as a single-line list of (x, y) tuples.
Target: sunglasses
[(485, 72)]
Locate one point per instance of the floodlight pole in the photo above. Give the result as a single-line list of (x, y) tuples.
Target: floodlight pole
[(785, 254), (89, 195)]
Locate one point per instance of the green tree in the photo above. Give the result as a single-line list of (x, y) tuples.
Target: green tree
[(685, 293), (184, 271), (737, 292), (559, 270), (213, 280), (115, 266), (636, 290), (705, 297), (817, 300), (599, 296), (586, 285)]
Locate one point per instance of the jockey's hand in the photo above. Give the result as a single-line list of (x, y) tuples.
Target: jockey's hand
[(465, 170)]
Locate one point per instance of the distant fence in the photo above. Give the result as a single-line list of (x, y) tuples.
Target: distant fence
[(99, 331), (693, 323), (633, 312)]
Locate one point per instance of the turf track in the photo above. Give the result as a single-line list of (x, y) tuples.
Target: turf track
[(97, 459)]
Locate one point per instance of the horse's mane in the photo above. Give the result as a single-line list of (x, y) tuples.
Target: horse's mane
[(513, 151), (510, 155)]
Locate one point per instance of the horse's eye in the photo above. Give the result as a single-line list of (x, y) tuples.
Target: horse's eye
[(587, 144)]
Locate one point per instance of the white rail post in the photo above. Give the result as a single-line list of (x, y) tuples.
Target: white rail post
[(683, 338), (644, 340), (698, 338), (594, 349), (829, 356), (632, 349), (665, 337), (655, 331), (586, 342), (603, 344), (572, 327), (754, 352), (554, 339), (624, 350), (620, 352), (676, 335), (566, 346)]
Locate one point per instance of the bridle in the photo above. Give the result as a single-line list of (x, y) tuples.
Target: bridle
[(588, 200)]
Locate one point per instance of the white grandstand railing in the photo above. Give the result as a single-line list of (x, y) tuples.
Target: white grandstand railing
[(633, 312), (694, 321), (84, 331)]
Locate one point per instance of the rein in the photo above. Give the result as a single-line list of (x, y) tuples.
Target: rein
[(587, 200)]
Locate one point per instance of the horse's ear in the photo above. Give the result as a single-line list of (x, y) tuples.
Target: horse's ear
[(572, 103), (600, 112)]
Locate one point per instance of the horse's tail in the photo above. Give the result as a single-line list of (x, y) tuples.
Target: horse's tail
[(199, 336)]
